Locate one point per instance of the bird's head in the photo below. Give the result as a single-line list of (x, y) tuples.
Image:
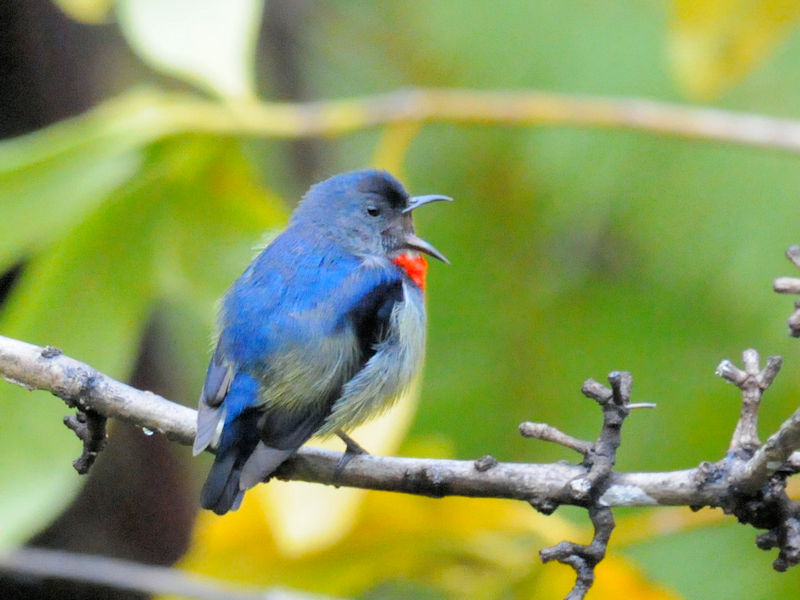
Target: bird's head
[(368, 212)]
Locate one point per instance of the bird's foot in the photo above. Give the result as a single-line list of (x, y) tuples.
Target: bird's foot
[(352, 449)]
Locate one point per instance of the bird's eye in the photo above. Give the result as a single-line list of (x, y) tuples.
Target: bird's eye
[(373, 211)]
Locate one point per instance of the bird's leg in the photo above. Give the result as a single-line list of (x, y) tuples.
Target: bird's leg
[(352, 449)]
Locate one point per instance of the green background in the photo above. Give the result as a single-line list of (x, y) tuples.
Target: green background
[(574, 251)]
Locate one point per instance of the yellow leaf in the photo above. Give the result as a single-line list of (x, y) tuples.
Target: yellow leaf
[(715, 43), (91, 12), (614, 579)]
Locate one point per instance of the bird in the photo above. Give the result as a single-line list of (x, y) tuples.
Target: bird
[(324, 330)]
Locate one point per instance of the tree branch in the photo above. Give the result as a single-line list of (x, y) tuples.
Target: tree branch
[(328, 118), (80, 386), (35, 367), (748, 482), (136, 577), (151, 114), (336, 117)]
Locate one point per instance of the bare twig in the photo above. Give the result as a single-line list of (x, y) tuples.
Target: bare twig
[(599, 461), (149, 114), (90, 427), (638, 405), (548, 433), (791, 285), (786, 285), (752, 381), (776, 453), (603, 457), (584, 558), (125, 575)]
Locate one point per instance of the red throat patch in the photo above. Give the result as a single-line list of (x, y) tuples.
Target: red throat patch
[(415, 266)]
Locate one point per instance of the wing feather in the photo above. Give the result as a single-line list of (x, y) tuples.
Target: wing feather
[(211, 410)]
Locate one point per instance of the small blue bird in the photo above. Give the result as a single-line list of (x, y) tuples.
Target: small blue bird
[(324, 330)]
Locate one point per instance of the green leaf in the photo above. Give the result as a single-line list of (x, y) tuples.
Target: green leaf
[(182, 229), (50, 180), (89, 296), (118, 125), (41, 202), (210, 43), (212, 221)]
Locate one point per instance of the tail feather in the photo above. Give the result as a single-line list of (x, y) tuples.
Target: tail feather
[(261, 464), (221, 491), (238, 439)]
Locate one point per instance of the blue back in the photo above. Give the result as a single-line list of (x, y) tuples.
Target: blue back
[(296, 293)]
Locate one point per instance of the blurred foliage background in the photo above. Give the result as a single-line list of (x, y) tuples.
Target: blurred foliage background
[(125, 213)]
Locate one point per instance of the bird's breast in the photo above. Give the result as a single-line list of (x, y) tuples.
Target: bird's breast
[(389, 371)]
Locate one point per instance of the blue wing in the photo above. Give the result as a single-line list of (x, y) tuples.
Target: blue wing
[(295, 327)]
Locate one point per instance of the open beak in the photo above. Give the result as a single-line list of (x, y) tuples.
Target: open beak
[(416, 243)]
